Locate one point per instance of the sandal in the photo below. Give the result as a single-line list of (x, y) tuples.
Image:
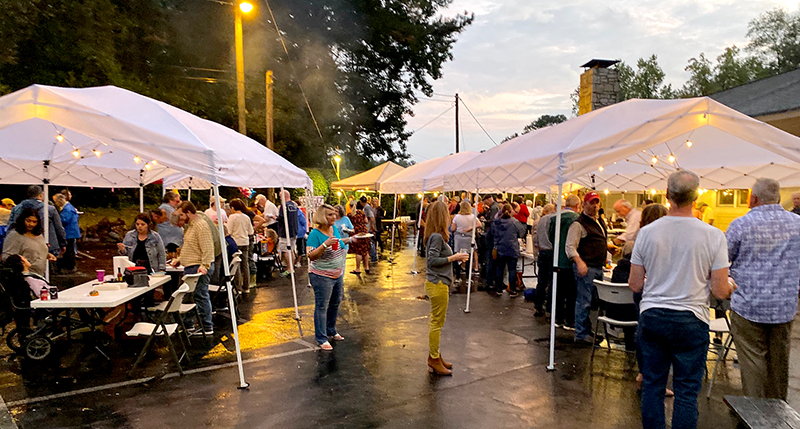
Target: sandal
[(337, 337), (326, 346), (355, 272)]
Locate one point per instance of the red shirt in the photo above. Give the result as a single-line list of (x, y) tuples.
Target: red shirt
[(523, 214)]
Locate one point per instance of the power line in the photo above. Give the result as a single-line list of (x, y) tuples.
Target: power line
[(477, 122), (431, 121)]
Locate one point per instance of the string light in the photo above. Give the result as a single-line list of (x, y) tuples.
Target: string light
[(338, 193), (601, 168), (154, 162), (147, 166), (60, 138), (652, 192), (136, 159), (419, 195), (605, 191), (655, 160), (402, 196), (689, 143), (76, 153), (671, 158), (96, 153)]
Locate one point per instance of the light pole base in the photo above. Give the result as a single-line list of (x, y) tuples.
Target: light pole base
[(551, 368), (244, 386), (467, 310)]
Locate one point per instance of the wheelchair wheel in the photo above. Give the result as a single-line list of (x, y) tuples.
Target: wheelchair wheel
[(38, 348), (13, 341)]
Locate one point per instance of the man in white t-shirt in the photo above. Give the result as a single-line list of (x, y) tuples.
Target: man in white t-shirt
[(680, 258), (211, 212)]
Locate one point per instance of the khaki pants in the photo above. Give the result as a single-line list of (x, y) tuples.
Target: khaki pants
[(439, 294), (763, 350)]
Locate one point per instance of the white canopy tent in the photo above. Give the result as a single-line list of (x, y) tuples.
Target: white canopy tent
[(130, 133), (184, 181), (634, 145)]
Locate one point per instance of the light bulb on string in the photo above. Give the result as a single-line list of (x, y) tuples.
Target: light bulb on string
[(671, 158), (652, 192), (605, 191), (136, 159), (147, 166), (96, 153), (60, 137), (402, 196), (689, 143), (654, 160), (76, 153), (601, 168), (419, 195), (154, 162)]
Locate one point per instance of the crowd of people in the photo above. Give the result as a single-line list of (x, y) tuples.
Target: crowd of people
[(672, 258)]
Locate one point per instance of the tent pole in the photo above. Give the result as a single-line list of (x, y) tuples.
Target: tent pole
[(189, 196), (394, 225), (471, 256), (46, 216), (291, 257), (141, 191), (231, 303), (308, 222), (416, 240), (556, 251)]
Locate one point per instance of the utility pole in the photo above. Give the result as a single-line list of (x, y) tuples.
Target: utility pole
[(270, 142), (456, 122), (240, 72)]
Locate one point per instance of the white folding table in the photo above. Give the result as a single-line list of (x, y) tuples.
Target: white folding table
[(78, 296)]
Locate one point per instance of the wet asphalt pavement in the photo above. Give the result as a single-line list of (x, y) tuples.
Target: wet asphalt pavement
[(377, 377)]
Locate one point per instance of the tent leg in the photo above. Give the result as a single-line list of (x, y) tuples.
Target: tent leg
[(416, 239), (554, 287), (46, 215), (291, 257), (308, 260), (471, 256), (231, 304), (141, 198), (394, 225)]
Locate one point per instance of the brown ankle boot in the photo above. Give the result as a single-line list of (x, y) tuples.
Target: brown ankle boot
[(435, 366), (447, 365)]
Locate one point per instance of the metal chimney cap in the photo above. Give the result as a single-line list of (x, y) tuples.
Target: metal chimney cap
[(600, 63)]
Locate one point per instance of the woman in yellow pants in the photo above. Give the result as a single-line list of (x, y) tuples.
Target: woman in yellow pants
[(439, 278)]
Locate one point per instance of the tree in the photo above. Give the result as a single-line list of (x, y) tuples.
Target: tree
[(775, 40), (730, 71), (647, 81), (540, 122)]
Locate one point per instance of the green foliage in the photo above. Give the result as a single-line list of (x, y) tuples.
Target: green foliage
[(775, 40), (359, 63), (321, 185), (647, 81), (730, 71), (540, 122)]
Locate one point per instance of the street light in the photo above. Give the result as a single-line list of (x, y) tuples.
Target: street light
[(244, 7)]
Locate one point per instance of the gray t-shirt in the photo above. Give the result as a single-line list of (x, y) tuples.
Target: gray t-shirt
[(678, 255), (370, 213)]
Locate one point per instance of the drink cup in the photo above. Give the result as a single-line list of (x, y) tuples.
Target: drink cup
[(335, 245), (464, 251), (101, 275)]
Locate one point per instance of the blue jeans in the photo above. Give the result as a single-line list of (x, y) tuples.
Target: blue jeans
[(584, 289), (327, 296), (201, 297), (678, 339)]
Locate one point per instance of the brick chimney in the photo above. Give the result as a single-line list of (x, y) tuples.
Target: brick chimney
[(599, 86)]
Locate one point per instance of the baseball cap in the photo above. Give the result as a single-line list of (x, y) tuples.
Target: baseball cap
[(8, 202), (591, 196)]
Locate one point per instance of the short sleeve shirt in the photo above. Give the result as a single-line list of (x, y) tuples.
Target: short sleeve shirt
[(331, 263), (678, 255)]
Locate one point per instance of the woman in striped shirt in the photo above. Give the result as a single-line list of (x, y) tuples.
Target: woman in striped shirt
[(327, 253)]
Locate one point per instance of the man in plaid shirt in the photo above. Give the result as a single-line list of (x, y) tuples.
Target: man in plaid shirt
[(197, 255)]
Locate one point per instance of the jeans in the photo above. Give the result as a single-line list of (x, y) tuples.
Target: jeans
[(584, 290), (201, 297), (439, 294), (327, 296), (678, 339), (544, 279), (501, 264), (373, 253)]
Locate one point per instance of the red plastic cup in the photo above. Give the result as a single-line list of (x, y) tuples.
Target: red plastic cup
[(101, 275), (335, 245)]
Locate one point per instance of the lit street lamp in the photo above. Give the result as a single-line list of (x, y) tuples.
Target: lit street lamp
[(336, 162)]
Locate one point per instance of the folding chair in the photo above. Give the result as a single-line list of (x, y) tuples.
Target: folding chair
[(721, 326), (220, 291), (611, 293), (151, 330), (191, 281)]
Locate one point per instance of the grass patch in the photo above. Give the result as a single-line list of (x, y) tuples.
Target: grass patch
[(93, 215)]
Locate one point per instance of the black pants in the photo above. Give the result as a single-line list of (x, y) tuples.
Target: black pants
[(544, 279), (68, 260), (501, 264), (565, 297)]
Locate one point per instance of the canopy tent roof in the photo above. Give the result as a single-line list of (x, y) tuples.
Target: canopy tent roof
[(116, 121), (370, 179), (184, 181), (728, 148), (415, 178)]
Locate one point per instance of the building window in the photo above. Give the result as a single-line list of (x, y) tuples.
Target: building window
[(726, 198), (744, 198)]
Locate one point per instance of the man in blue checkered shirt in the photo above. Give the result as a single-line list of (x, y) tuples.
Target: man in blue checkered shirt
[(764, 250)]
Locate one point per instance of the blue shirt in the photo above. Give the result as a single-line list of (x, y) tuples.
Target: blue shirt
[(764, 249), (341, 225), (302, 224), (69, 219)]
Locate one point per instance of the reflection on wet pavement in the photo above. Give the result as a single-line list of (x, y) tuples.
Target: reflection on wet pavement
[(377, 377)]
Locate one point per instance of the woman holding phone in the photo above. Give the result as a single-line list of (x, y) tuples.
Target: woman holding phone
[(438, 279), (327, 253)]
